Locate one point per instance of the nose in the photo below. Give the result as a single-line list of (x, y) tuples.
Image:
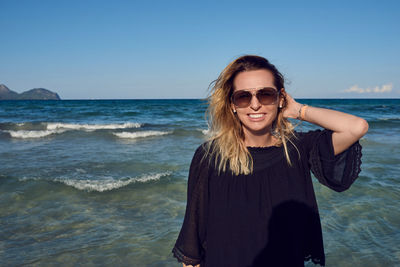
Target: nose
[(255, 104)]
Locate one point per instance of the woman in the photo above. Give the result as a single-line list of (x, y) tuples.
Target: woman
[(250, 197)]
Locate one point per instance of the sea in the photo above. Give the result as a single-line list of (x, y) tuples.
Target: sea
[(103, 182)]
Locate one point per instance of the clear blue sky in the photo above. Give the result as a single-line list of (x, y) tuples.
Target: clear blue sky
[(174, 49)]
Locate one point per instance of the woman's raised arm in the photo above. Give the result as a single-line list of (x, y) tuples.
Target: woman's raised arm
[(347, 128)]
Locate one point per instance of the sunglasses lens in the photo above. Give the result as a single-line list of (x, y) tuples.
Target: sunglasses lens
[(242, 99), (267, 96)]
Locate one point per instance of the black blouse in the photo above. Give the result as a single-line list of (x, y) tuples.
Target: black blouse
[(267, 218)]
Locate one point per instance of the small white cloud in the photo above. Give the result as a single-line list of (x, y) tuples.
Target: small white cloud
[(386, 88)]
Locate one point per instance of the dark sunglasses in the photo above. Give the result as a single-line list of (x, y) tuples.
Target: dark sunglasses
[(266, 96)]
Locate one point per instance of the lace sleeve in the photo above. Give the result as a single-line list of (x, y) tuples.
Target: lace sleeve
[(190, 245), (336, 172)]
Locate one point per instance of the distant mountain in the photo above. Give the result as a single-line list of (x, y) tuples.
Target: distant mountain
[(33, 94), (6, 93), (39, 94)]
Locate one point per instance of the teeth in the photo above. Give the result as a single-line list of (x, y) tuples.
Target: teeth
[(256, 115)]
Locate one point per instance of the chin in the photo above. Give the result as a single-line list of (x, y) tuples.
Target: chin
[(258, 130)]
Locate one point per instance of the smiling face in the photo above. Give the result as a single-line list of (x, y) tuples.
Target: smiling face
[(257, 119)]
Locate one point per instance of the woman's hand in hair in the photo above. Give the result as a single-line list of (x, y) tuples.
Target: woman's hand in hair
[(347, 128), (290, 107)]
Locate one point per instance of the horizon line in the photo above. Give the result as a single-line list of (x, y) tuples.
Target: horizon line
[(106, 99)]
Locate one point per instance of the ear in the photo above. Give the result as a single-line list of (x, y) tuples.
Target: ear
[(282, 98), (233, 108)]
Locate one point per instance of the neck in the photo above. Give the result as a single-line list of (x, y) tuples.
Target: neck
[(259, 140)]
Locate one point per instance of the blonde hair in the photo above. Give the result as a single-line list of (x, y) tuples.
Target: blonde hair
[(226, 137)]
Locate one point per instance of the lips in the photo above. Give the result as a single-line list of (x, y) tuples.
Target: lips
[(256, 116)]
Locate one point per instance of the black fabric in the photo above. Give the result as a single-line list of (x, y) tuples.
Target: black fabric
[(191, 245), (268, 218)]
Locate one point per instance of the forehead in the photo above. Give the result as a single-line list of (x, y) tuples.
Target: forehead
[(253, 79)]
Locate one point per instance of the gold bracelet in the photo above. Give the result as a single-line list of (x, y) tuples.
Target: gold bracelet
[(303, 112), (299, 116)]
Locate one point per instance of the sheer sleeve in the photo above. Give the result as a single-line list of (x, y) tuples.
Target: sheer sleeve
[(190, 245), (336, 172)]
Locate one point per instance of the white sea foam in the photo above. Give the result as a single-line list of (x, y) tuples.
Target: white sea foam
[(24, 179), (33, 134), (142, 134), (109, 183), (389, 118), (206, 131), (92, 127)]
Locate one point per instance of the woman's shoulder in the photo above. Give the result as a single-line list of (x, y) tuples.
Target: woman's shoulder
[(205, 156), (206, 148), (301, 134), (307, 141), (202, 149), (202, 153), (309, 136)]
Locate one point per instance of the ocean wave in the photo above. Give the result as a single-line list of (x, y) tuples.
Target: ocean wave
[(110, 183), (389, 119), (384, 123), (19, 126), (33, 134), (134, 135), (92, 127), (205, 131), (42, 126), (105, 184)]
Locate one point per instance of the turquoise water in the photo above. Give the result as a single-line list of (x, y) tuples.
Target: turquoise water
[(103, 182)]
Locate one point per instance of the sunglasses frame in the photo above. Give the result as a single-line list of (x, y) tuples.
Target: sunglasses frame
[(256, 95)]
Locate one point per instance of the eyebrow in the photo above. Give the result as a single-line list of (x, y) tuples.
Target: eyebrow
[(258, 88)]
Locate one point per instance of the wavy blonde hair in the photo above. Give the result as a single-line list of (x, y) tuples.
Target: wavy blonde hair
[(226, 137)]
